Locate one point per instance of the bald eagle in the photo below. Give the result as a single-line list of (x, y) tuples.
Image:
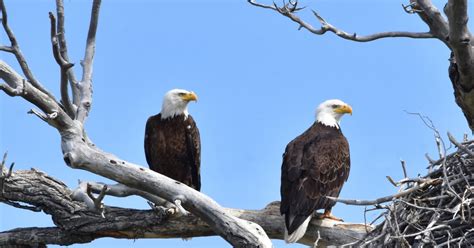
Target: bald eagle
[(172, 142), (315, 164)]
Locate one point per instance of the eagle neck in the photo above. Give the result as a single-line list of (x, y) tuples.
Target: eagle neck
[(328, 120), (172, 110)]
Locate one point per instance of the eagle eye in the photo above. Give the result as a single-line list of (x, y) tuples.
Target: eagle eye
[(181, 94), (334, 106)]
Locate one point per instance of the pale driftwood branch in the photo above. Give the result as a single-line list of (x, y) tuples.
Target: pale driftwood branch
[(64, 53), (121, 190), (81, 154), (64, 66), (98, 204), (11, 91), (85, 86), (70, 215), (17, 52), (433, 18), (83, 193), (30, 93), (290, 9), (459, 145)]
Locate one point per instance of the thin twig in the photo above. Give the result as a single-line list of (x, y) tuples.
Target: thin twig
[(387, 198), (405, 174)]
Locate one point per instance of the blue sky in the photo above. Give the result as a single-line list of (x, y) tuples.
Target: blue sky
[(259, 81)]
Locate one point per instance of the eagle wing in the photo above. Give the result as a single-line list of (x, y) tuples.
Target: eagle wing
[(153, 137), (313, 167), (193, 142)]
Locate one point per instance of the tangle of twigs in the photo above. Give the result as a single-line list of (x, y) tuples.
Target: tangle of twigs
[(440, 215)]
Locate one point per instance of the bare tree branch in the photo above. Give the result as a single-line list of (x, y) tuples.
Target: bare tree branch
[(30, 93), (64, 66), (460, 146), (454, 34), (459, 38), (76, 224), (11, 91), (80, 154), (38, 237), (422, 185), (6, 49), (433, 18), (18, 54), (64, 53), (85, 86), (290, 9)]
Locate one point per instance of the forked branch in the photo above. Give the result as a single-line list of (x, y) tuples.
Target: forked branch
[(289, 10), (15, 49), (64, 66), (64, 53), (81, 154)]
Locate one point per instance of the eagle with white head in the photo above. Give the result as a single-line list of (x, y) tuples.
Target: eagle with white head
[(172, 142), (315, 165)]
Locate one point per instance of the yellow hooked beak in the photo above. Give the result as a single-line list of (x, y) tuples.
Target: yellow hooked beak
[(191, 96), (344, 109)]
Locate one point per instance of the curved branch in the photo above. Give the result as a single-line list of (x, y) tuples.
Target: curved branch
[(26, 90), (289, 11), (18, 54), (77, 224), (433, 18), (80, 155)]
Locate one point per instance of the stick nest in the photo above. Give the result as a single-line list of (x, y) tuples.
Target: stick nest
[(437, 214)]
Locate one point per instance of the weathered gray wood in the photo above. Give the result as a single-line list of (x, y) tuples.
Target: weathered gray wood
[(77, 224), (80, 153)]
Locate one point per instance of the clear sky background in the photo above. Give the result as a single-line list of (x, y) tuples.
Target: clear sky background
[(259, 81)]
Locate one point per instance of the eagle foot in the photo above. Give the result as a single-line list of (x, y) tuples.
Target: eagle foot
[(327, 215)]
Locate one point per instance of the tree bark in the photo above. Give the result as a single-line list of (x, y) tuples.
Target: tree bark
[(76, 223)]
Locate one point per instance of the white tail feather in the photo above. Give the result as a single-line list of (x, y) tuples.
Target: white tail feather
[(298, 233)]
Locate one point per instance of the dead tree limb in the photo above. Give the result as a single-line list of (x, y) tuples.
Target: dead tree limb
[(289, 10), (77, 224), (80, 153), (453, 32)]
